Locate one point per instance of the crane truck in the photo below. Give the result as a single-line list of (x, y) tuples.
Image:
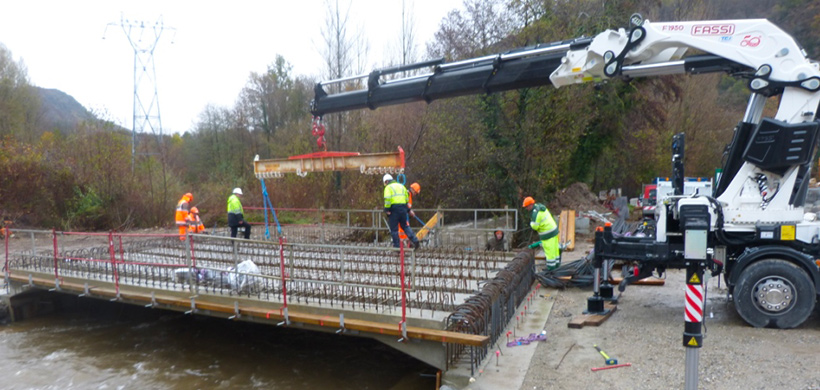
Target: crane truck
[(752, 229)]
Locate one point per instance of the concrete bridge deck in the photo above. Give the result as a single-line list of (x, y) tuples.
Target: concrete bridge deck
[(433, 304)]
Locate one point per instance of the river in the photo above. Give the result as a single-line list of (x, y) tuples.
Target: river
[(102, 345)]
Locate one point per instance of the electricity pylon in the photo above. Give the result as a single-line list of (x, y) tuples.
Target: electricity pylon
[(143, 38)]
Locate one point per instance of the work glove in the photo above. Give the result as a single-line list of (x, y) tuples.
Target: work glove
[(535, 245)]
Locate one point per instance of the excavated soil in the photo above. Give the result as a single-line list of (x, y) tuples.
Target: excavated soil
[(576, 197), (647, 331)]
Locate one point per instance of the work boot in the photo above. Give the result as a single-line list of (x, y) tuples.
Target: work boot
[(552, 265), (416, 244)]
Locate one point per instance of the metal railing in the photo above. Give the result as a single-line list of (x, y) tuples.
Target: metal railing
[(465, 228), (338, 275)]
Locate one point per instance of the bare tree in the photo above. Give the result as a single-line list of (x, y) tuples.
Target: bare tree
[(345, 52)]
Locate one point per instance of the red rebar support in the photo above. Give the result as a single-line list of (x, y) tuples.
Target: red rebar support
[(282, 272), (114, 262), (403, 323), (54, 236), (6, 239)]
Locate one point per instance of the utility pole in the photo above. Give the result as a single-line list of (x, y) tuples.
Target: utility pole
[(143, 38)]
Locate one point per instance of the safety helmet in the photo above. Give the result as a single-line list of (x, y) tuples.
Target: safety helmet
[(528, 201), (237, 191), (189, 195), (387, 177), (416, 187), (194, 210)]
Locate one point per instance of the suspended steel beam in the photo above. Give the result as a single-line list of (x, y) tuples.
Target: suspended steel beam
[(369, 164)]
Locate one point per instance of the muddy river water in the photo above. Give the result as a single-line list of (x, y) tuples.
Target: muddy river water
[(101, 345)]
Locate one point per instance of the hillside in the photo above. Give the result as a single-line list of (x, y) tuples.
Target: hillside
[(60, 110)]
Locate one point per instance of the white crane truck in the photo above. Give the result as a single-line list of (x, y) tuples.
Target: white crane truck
[(753, 228)]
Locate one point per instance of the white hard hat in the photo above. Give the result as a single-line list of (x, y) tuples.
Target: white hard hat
[(387, 177), (237, 191)]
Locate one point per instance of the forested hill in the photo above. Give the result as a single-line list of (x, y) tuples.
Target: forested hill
[(60, 110), (474, 151)]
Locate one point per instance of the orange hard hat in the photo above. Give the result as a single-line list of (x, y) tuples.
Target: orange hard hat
[(416, 187), (528, 201), (194, 210), (189, 195)]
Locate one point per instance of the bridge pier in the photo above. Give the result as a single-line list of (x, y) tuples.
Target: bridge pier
[(28, 304)]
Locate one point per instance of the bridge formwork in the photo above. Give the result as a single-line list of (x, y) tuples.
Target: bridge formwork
[(444, 306)]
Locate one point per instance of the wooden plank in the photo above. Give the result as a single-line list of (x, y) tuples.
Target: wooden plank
[(427, 226), (570, 231), (582, 320), (562, 227), (274, 314)]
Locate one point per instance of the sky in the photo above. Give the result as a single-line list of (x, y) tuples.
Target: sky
[(205, 53)]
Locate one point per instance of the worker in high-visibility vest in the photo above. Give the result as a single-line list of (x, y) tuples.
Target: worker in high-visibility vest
[(194, 223), (236, 215), (542, 222), (414, 189), (183, 207), (395, 205)]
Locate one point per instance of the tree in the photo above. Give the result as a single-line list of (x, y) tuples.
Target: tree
[(19, 104)]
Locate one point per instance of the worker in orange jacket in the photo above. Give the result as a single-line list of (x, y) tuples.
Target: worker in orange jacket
[(194, 223), (414, 189), (183, 207)]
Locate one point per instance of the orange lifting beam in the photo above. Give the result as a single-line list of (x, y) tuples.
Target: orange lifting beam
[(369, 164)]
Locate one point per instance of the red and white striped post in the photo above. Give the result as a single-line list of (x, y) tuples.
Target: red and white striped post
[(692, 331)]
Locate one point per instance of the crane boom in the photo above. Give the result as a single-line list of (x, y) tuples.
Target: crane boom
[(753, 228)]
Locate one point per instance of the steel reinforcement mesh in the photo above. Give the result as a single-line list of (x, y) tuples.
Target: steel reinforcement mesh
[(489, 311)]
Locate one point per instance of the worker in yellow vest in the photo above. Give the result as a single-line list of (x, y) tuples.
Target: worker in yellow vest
[(194, 223), (395, 205), (183, 207), (542, 222), (236, 214)]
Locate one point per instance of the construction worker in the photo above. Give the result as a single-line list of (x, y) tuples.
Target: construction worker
[(395, 205), (414, 189), (182, 214), (236, 217), (194, 223), (496, 242), (542, 222)]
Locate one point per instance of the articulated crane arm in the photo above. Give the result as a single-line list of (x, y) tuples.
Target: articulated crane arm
[(753, 48)]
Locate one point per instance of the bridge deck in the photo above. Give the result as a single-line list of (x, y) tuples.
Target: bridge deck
[(447, 296)]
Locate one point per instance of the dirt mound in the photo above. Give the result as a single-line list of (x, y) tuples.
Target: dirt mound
[(575, 197)]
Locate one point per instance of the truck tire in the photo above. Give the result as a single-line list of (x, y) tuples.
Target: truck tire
[(774, 293)]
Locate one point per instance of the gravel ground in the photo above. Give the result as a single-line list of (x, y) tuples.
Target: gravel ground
[(647, 331)]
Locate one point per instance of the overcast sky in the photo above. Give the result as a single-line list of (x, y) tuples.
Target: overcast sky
[(205, 54)]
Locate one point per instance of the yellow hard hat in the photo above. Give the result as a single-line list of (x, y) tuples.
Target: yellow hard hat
[(528, 201)]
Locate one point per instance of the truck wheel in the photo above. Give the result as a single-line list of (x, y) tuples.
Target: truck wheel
[(774, 293)]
